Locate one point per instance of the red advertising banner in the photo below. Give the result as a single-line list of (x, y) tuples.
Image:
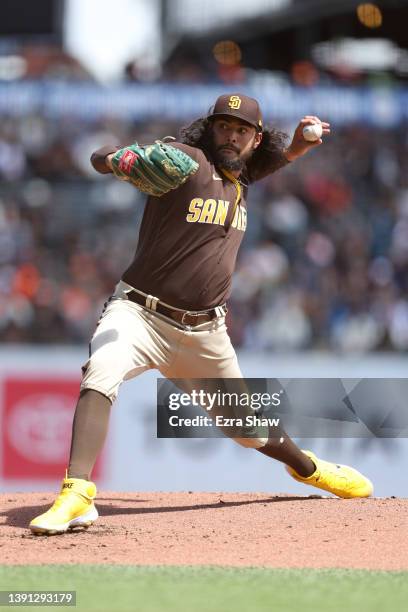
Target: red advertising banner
[(36, 427)]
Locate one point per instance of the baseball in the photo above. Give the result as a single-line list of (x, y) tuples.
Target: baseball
[(312, 132)]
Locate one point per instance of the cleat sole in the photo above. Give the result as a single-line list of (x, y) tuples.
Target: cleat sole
[(85, 522)]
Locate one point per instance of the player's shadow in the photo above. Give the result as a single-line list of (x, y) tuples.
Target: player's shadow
[(21, 516), (112, 510)]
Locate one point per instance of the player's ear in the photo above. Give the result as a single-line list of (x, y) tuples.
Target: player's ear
[(257, 139)]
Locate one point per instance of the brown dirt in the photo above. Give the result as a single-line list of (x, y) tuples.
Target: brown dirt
[(242, 529)]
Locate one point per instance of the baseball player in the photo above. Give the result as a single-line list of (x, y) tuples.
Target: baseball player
[(168, 309)]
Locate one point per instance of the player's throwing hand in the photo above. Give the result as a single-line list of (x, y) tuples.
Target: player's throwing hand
[(299, 145)]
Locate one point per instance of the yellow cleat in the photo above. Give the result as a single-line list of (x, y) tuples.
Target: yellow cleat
[(341, 480), (73, 507)]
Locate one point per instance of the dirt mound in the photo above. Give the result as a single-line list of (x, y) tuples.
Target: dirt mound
[(241, 529)]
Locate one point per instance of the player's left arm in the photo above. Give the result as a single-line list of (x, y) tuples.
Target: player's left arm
[(299, 145), (272, 154)]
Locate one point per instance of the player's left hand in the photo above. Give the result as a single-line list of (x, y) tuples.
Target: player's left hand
[(299, 146)]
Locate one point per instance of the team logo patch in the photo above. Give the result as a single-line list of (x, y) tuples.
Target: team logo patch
[(127, 160), (234, 102)]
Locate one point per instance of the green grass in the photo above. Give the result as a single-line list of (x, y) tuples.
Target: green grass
[(212, 589)]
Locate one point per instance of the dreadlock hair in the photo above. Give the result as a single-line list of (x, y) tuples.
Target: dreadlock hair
[(266, 158), (197, 134)]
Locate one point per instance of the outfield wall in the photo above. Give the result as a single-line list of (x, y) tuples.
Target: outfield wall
[(38, 390)]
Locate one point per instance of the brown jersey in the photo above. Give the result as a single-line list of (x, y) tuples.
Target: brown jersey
[(189, 238)]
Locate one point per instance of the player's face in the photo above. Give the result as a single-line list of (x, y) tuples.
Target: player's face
[(234, 142)]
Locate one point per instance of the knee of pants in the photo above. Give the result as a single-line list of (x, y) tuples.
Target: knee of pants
[(104, 374), (251, 442)]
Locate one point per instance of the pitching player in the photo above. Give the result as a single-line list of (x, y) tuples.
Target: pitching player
[(168, 309)]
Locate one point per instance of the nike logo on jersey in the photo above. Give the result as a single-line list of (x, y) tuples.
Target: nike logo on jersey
[(217, 178)]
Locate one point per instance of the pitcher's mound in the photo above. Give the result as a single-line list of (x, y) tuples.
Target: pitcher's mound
[(240, 529)]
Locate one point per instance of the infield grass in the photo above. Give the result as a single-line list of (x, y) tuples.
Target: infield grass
[(212, 589)]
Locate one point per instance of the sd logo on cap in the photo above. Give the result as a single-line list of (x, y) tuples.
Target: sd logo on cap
[(234, 102), (239, 106)]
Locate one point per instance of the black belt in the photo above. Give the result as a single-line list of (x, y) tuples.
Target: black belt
[(184, 317)]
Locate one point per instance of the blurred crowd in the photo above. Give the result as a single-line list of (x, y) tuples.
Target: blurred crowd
[(324, 262)]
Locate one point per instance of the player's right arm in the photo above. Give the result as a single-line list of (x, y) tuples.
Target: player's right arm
[(108, 160), (154, 169), (101, 158)]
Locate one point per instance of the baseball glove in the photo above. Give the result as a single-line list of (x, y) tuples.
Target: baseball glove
[(154, 169)]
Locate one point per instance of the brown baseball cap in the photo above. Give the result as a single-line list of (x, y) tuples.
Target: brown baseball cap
[(239, 106)]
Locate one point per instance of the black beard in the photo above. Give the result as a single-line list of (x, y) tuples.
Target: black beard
[(224, 161)]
